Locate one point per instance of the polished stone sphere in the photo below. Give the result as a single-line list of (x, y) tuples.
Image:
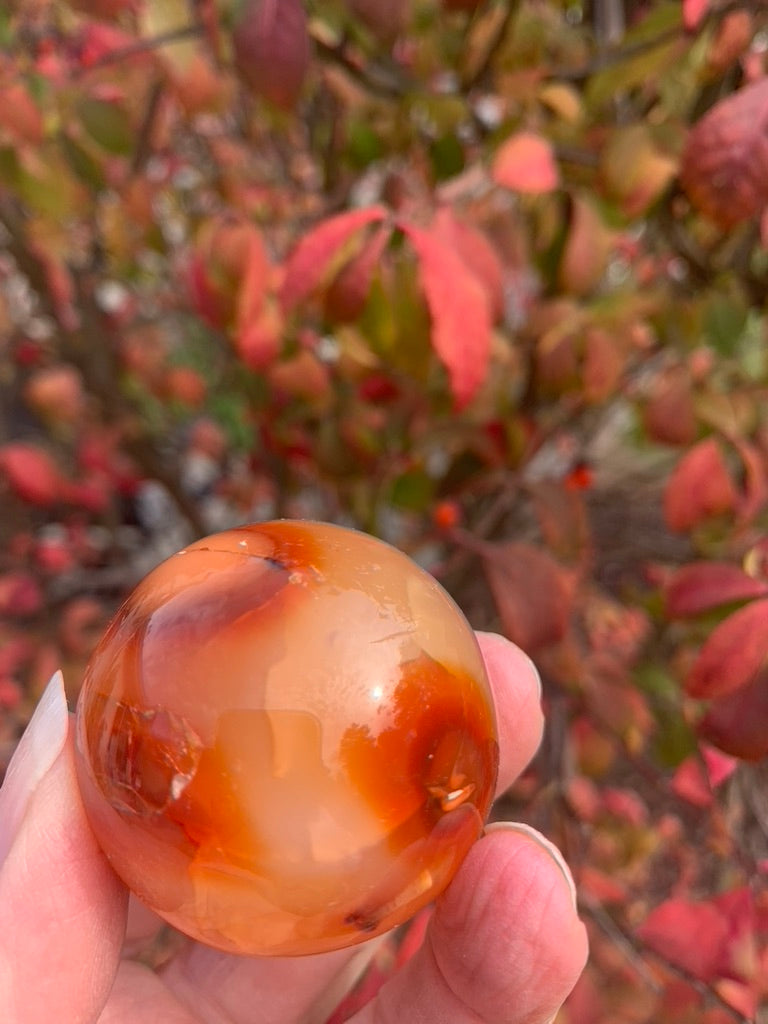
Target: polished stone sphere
[(286, 741)]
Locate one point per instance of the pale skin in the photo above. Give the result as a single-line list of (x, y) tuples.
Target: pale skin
[(504, 945)]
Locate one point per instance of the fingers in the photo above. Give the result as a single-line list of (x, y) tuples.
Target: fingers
[(504, 946), (138, 994), (517, 694), (62, 910), (221, 987), (226, 989)]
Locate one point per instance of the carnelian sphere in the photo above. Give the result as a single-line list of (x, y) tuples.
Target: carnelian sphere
[(286, 739)]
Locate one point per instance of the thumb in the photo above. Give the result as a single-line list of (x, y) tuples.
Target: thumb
[(62, 909)]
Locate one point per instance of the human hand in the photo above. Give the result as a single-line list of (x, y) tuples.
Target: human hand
[(504, 945)]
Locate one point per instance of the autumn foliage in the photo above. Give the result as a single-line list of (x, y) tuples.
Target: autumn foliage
[(485, 278)]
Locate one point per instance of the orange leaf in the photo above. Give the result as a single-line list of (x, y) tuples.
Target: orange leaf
[(260, 340), (633, 169), (253, 284), (271, 46), (702, 586), (603, 364), (699, 487), (731, 40), (669, 415), (725, 162), (525, 162), (460, 312), (312, 257), (586, 249), (533, 594), (229, 270), (734, 653)]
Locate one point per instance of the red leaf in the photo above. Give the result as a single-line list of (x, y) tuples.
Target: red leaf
[(755, 483), (603, 364), (525, 162), (252, 288), (81, 624), (690, 783), (738, 722), (561, 514), (626, 805), (669, 415), (533, 594), (601, 887), (693, 936), (271, 47), (733, 655), (16, 651), (693, 12), (348, 293), (699, 487), (311, 260), (229, 271), (700, 774), (476, 251), (701, 586), (260, 340), (31, 473), (414, 937), (460, 311), (725, 163), (19, 595), (720, 767), (586, 249), (385, 18)]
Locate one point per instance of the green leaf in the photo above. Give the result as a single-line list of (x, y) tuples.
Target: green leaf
[(447, 157), (412, 490), (9, 166), (642, 70), (646, 65), (673, 738), (47, 187), (107, 124), (6, 28), (232, 412), (363, 144), (82, 163), (725, 319)]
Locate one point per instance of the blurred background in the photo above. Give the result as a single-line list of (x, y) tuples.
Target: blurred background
[(485, 278)]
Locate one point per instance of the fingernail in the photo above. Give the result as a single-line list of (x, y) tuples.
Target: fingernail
[(518, 651), (545, 844), (536, 676), (41, 744)]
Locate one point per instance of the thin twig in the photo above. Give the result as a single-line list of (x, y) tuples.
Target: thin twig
[(389, 82), (82, 346), (143, 150), (175, 35), (495, 44)]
